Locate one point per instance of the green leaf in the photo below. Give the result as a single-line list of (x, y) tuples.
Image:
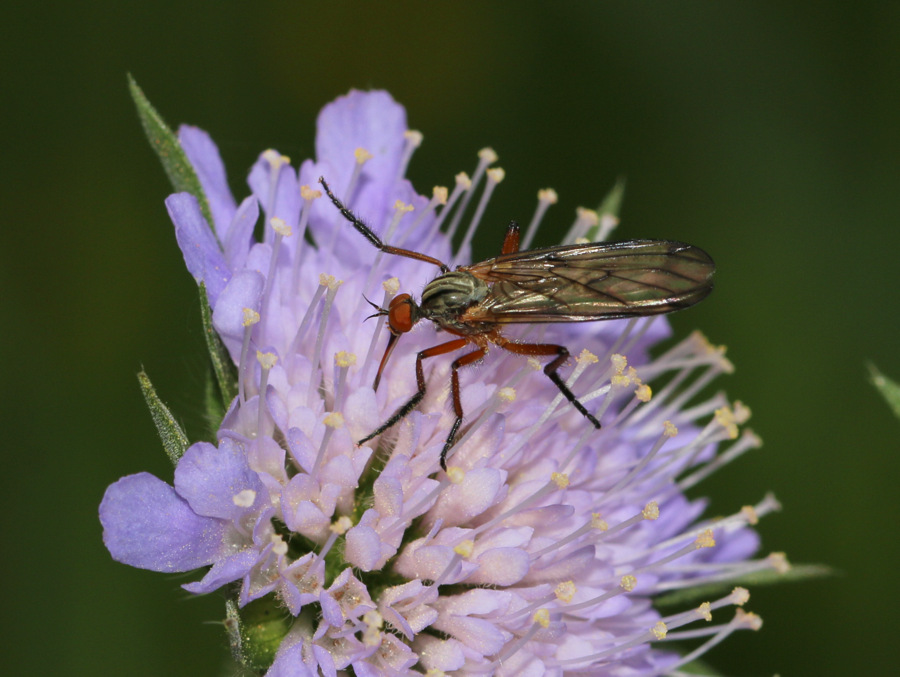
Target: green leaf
[(262, 624), (705, 593), (890, 390), (164, 141), (215, 411), (611, 206), (173, 438), (223, 367)]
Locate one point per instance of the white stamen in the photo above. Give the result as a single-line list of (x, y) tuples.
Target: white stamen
[(627, 480), (333, 286), (438, 197), (585, 219), (412, 139), (400, 210), (463, 183), (557, 482), (338, 528), (276, 161), (332, 421), (487, 408), (486, 156), (251, 317), (266, 362), (742, 620), (361, 157), (390, 289), (608, 223), (308, 195), (495, 176), (281, 230), (546, 197), (513, 647), (747, 441), (307, 317), (342, 363)]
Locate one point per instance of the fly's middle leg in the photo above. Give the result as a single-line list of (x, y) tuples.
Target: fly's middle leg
[(468, 358), (551, 369)]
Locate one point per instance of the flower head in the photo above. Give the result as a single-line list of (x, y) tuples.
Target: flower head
[(540, 549)]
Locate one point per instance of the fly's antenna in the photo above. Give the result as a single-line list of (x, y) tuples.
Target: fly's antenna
[(379, 311), (373, 238)]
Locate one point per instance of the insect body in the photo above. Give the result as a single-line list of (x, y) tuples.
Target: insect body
[(572, 283)]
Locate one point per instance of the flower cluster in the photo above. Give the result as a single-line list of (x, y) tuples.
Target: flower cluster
[(540, 550)]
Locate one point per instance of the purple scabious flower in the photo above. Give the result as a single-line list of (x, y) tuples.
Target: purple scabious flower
[(543, 547)]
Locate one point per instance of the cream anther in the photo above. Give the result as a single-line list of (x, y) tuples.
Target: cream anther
[(280, 227), (488, 155), (496, 174), (344, 359), (244, 499), (250, 317), (660, 630), (413, 137), (548, 195), (266, 360), (334, 420), (705, 540), (309, 194)]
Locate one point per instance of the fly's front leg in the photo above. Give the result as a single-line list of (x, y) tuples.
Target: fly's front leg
[(413, 402), (372, 237), (551, 369), (468, 358)]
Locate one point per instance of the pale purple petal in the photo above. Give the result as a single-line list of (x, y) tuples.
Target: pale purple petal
[(289, 662), (281, 200), (211, 478), (231, 568), (239, 239), (363, 547), (244, 290), (201, 251), (147, 525), (207, 163)]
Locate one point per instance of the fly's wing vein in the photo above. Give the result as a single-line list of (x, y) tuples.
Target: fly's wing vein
[(592, 282)]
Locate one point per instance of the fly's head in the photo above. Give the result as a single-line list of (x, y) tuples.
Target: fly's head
[(402, 314)]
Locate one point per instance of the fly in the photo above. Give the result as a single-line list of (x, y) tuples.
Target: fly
[(570, 283)]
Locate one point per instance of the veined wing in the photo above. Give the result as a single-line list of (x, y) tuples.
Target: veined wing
[(596, 281)]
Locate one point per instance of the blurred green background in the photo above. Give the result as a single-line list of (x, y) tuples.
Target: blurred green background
[(765, 132)]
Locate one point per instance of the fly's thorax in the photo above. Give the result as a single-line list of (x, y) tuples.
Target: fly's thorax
[(446, 297)]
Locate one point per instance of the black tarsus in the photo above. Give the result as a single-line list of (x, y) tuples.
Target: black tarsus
[(367, 232)]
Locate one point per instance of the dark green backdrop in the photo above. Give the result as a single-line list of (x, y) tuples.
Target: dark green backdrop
[(766, 132)]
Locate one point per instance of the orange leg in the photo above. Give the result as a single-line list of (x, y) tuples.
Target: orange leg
[(466, 359), (373, 238), (511, 241), (551, 369), (413, 402)]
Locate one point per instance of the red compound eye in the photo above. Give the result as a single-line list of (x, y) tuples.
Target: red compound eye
[(400, 314)]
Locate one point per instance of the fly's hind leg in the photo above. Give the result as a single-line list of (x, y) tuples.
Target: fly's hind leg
[(511, 241), (550, 369), (466, 359)]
